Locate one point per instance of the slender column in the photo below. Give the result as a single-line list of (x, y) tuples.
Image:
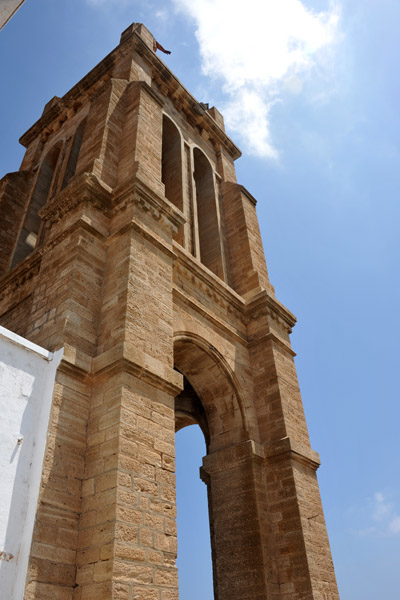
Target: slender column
[(243, 560)]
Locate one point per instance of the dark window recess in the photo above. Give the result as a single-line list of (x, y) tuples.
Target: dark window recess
[(74, 154), (171, 173), (28, 237), (209, 239)]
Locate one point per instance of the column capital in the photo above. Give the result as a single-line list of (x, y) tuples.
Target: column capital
[(233, 456), (128, 358), (287, 447)]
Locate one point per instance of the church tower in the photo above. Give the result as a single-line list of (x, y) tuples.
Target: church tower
[(126, 240)]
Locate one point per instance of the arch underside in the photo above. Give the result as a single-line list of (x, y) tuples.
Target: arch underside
[(211, 396)]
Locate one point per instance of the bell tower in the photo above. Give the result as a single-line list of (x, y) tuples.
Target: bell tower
[(126, 239)]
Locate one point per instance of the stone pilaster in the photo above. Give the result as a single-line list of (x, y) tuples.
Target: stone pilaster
[(304, 563), (243, 556)]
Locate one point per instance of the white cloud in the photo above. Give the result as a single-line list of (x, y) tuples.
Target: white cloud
[(248, 114), (162, 14), (259, 49), (382, 508), (382, 512), (394, 525)]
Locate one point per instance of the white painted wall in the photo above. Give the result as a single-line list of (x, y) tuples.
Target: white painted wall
[(7, 9), (27, 374)]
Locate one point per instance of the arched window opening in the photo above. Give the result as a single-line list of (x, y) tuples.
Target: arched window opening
[(171, 168), (194, 544), (29, 234), (74, 154), (207, 217)]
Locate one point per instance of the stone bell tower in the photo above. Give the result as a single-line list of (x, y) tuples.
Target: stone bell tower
[(126, 240)]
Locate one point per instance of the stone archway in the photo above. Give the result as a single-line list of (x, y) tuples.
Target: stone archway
[(217, 388), (212, 399)]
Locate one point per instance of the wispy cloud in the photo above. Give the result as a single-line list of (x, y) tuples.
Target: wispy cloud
[(384, 516), (394, 525), (381, 507), (162, 14), (259, 50)]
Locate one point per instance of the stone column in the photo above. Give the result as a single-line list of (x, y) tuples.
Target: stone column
[(248, 271), (294, 511), (244, 564), (64, 312), (127, 540)]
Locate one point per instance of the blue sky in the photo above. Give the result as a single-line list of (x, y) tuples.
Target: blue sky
[(323, 163)]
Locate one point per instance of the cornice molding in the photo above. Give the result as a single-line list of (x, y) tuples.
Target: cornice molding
[(207, 281), (135, 189), (288, 448), (146, 233), (247, 194), (66, 107), (82, 188), (228, 457), (274, 338), (211, 317), (126, 358), (266, 304), (93, 83), (88, 188), (75, 361)]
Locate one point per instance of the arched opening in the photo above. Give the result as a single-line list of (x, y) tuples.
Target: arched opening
[(171, 168), (194, 541), (190, 411), (29, 235), (207, 216), (74, 154), (211, 401), (213, 391)]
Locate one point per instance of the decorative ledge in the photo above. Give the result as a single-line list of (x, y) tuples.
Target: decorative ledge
[(82, 188), (126, 357), (287, 447)]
